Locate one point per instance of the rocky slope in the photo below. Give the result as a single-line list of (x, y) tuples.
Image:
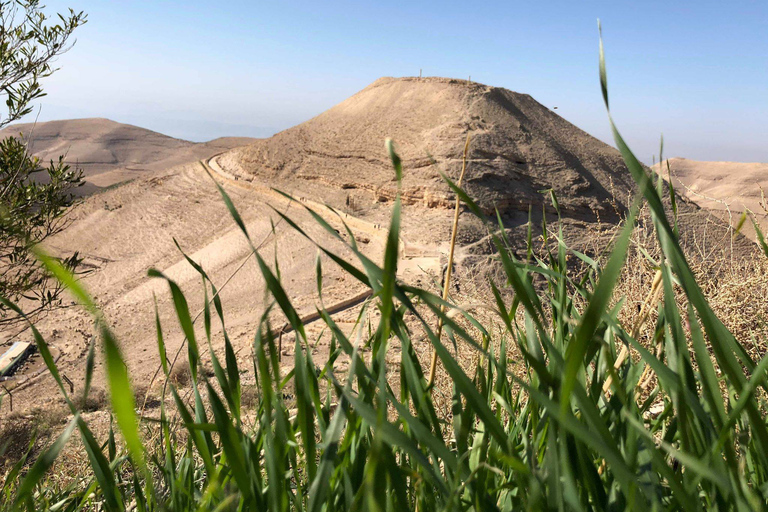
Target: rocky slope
[(518, 148)]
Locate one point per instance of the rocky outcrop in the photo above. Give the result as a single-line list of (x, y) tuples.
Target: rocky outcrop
[(519, 148)]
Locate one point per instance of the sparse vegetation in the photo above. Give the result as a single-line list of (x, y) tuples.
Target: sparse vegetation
[(679, 426), (33, 198)]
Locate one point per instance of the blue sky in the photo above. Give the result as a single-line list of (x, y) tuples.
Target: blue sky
[(695, 71)]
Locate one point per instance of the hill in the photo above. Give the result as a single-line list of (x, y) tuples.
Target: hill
[(519, 151), (721, 186), (109, 152), (518, 148)]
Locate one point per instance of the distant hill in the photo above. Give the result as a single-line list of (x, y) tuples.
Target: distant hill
[(722, 186), (109, 152)]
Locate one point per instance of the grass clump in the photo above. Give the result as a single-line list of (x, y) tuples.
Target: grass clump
[(563, 428)]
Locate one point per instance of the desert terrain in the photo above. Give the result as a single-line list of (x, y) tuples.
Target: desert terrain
[(158, 191), (109, 152), (729, 188), (360, 285)]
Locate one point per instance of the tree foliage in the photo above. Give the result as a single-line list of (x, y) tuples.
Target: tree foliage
[(33, 196)]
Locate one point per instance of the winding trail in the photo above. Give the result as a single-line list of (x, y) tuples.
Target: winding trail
[(407, 251), (212, 165)]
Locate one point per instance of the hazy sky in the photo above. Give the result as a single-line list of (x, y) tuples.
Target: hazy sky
[(695, 71)]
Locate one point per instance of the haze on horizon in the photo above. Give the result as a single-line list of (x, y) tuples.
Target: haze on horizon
[(197, 71)]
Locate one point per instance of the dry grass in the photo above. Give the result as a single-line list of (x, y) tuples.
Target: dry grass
[(734, 281), (28, 431)]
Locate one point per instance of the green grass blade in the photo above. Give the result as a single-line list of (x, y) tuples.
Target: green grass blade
[(43, 463), (121, 391)]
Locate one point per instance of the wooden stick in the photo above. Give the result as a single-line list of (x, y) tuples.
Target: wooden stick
[(448, 272), (650, 301)]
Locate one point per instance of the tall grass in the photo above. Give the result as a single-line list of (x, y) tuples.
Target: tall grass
[(564, 428)]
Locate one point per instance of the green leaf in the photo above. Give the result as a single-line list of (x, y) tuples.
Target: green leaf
[(121, 391), (44, 462)]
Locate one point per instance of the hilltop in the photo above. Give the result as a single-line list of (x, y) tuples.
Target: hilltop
[(519, 148), (519, 151)]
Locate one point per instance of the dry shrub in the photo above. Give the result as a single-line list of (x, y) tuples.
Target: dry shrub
[(740, 299), (145, 397), (29, 431), (732, 274), (249, 396), (180, 375), (96, 400)]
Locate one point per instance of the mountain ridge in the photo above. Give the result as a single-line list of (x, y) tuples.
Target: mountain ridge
[(110, 152)]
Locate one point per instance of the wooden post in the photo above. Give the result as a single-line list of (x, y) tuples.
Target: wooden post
[(71, 386), (10, 396)]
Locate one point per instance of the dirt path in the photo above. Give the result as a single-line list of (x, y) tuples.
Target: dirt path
[(414, 258), (133, 227), (212, 165)]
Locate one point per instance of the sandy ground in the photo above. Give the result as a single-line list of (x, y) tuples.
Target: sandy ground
[(519, 149), (126, 230), (729, 188), (109, 152)]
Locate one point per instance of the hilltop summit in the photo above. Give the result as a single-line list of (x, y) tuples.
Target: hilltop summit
[(519, 148)]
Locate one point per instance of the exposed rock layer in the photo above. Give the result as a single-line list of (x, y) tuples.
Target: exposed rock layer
[(519, 148)]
